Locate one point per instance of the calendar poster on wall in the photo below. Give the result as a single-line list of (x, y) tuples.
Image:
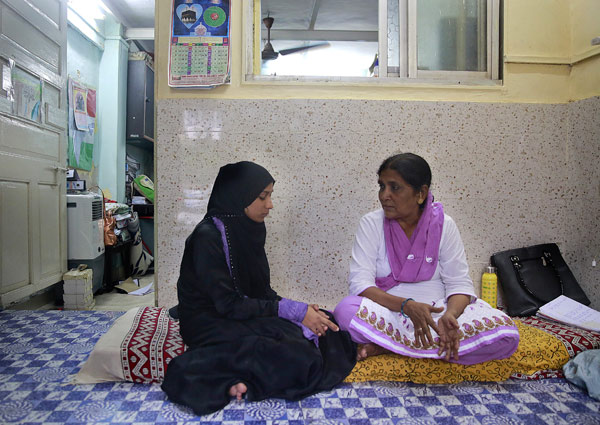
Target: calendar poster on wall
[(199, 46)]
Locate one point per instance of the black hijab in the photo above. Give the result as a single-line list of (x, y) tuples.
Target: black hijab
[(236, 187)]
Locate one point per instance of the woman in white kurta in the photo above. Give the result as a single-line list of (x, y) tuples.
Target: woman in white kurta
[(410, 290)]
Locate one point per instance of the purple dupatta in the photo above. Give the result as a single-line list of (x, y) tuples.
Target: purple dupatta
[(413, 260)]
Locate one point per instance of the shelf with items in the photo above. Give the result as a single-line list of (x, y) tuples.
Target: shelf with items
[(145, 212), (140, 103)]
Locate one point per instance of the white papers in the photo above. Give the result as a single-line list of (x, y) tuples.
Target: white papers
[(566, 310), (148, 289), (138, 200)]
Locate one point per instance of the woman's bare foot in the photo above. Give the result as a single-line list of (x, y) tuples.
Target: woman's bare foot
[(238, 390), (368, 350)]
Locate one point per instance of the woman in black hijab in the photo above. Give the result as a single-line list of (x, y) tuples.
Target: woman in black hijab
[(244, 339)]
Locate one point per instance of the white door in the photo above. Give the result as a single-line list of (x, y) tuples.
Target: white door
[(33, 120)]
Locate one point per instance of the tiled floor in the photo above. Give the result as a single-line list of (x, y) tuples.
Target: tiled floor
[(115, 301), (40, 351), (112, 301)]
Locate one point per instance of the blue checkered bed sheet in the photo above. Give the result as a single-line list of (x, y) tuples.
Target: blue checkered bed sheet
[(41, 350)]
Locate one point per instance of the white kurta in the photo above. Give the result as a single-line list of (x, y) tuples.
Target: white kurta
[(370, 260), (480, 326)]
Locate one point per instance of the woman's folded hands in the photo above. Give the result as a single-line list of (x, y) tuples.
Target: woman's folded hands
[(449, 336), (317, 321), (420, 315)]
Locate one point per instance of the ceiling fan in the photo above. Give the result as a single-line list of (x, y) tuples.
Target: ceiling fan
[(269, 53)]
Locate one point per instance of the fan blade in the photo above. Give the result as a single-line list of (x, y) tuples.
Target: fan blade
[(299, 49), (268, 52)]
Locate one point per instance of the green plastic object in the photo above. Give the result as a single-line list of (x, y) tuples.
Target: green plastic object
[(144, 185)]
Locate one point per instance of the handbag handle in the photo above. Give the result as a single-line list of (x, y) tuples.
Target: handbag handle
[(546, 259)]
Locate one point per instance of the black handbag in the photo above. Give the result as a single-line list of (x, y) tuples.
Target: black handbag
[(533, 276)]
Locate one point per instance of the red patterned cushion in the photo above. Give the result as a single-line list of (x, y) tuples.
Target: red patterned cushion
[(575, 340), (152, 341)]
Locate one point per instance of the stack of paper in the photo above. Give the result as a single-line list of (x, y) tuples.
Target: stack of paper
[(566, 310)]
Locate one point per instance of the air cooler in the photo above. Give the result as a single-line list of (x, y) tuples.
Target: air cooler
[(86, 234)]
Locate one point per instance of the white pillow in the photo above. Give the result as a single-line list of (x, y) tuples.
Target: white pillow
[(104, 363)]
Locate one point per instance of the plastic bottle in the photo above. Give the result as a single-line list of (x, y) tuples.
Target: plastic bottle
[(489, 286)]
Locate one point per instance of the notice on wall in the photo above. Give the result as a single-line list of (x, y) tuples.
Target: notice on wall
[(79, 105), (82, 125), (199, 48)]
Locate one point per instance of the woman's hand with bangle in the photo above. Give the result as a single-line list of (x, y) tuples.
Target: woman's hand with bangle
[(317, 321), (420, 315)]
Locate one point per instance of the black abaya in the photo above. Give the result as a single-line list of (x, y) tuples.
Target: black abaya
[(229, 317)]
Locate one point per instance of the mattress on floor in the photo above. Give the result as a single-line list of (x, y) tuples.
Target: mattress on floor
[(141, 343), (41, 351)]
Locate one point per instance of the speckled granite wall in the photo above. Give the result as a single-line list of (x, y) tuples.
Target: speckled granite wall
[(583, 195), (509, 174)]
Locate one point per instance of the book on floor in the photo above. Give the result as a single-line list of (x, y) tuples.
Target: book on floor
[(566, 310)]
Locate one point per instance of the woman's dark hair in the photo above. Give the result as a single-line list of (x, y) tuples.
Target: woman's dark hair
[(413, 169)]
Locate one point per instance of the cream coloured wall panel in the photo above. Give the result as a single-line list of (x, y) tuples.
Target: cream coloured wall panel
[(585, 14), (538, 29), (537, 34)]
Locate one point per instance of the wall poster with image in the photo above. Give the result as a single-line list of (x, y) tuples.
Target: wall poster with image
[(82, 125), (199, 49), (27, 94), (79, 104)]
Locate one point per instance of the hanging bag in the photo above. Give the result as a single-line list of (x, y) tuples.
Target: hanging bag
[(110, 238), (533, 276)]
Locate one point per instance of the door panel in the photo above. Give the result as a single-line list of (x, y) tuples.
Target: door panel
[(50, 11), (49, 233), (33, 39), (50, 8), (26, 138), (52, 96), (14, 235), (33, 237), (15, 42)]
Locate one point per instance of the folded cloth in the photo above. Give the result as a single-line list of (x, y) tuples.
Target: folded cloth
[(584, 371)]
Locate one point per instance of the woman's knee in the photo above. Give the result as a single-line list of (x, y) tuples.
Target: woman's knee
[(345, 310)]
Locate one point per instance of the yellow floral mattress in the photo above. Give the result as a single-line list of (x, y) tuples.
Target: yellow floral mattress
[(538, 350), (544, 348)]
